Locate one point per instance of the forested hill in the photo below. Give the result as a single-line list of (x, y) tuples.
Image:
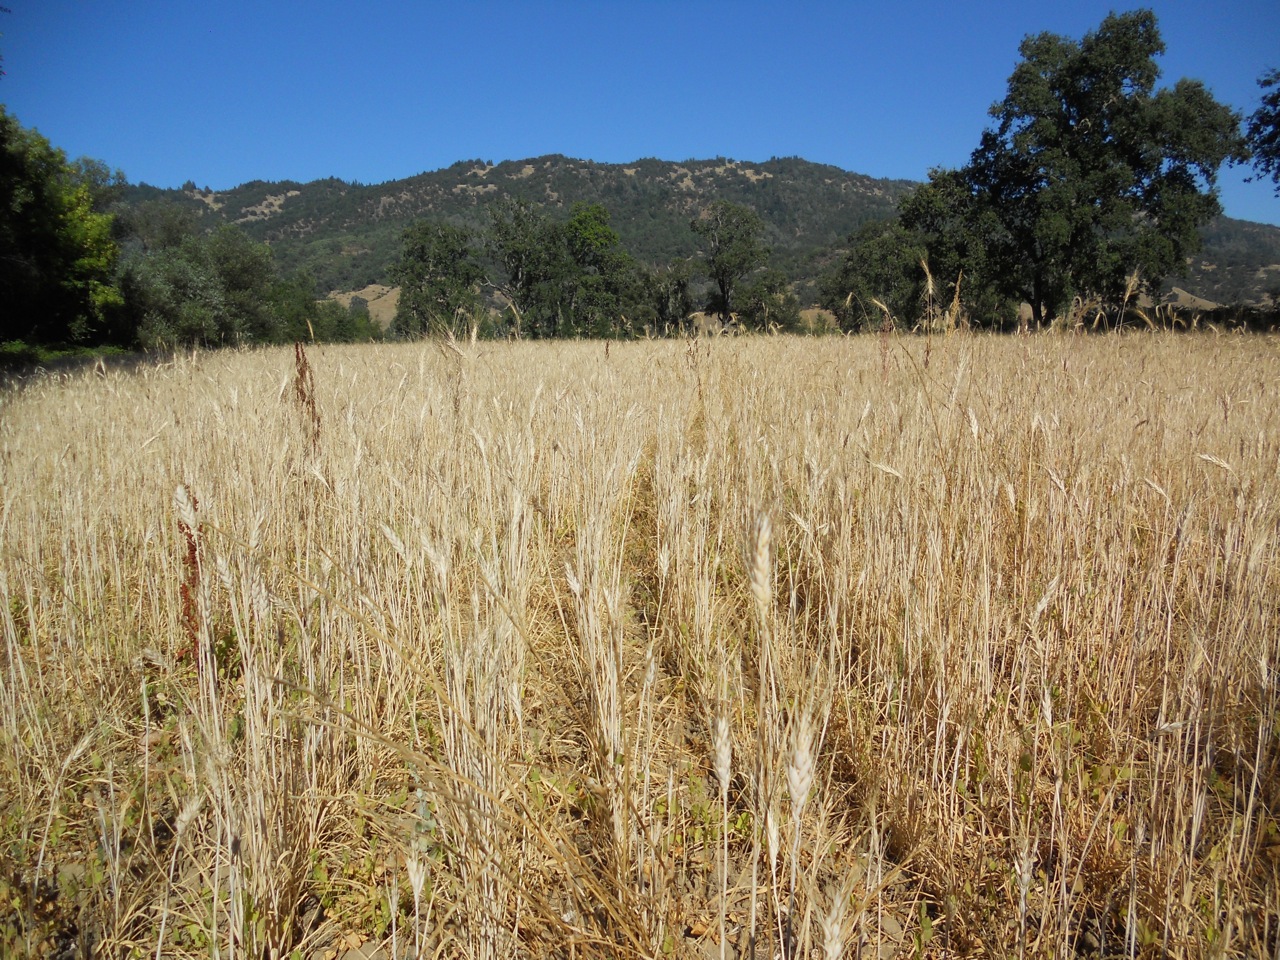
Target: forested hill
[(1239, 263), (347, 234)]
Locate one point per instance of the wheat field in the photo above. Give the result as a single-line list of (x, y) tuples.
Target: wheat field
[(767, 647)]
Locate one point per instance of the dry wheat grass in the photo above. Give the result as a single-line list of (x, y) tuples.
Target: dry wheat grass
[(960, 646)]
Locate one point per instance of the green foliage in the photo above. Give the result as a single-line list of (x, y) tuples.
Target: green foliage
[(1089, 174), (732, 238), (520, 240), (352, 325), (157, 225), (106, 186), (668, 297), (439, 278), (768, 303), (298, 314), (882, 263), (222, 289), (64, 283), (302, 316), (957, 239), (16, 355), (348, 235), (604, 282), (1264, 129), (57, 251), (245, 271), (203, 290), (564, 279)]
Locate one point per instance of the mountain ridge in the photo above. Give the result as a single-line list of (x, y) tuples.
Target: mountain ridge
[(348, 233)]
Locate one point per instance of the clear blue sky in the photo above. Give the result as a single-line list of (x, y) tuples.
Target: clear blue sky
[(225, 92)]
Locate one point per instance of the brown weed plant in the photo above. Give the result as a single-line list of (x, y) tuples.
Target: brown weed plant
[(189, 588), (763, 646), (304, 396)]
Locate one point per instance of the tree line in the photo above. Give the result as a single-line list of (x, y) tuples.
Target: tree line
[(77, 268), (529, 275), (1091, 182)]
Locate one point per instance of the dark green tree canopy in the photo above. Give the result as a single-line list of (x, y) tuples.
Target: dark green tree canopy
[(564, 278), (767, 302), (668, 296), (208, 290), (733, 246), (518, 239), (1090, 173), (57, 252), (1264, 129), (439, 278), (882, 264)]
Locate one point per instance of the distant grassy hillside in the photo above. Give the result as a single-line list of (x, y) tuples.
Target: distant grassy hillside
[(347, 234)]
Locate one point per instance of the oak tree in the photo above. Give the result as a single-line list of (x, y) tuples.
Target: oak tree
[(1090, 173), (439, 278), (733, 247), (1264, 129), (564, 278)]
